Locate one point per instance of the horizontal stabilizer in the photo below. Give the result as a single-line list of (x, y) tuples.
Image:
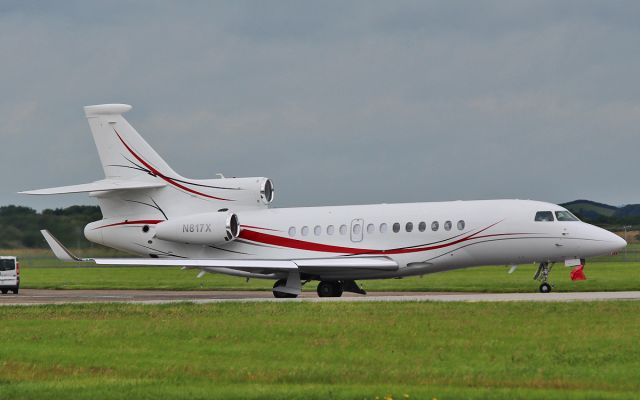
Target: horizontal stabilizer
[(97, 186)]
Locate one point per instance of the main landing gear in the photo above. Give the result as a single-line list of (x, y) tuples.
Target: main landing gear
[(290, 287), (278, 292), (336, 288), (542, 275), (330, 289)]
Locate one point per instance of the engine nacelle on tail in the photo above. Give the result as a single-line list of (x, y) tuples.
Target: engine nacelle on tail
[(250, 191), (241, 193), (207, 228)]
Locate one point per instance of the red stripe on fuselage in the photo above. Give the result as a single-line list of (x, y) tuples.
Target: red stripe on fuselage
[(259, 227), (266, 238), (159, 174)]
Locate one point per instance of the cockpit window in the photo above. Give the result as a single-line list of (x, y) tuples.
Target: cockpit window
[(545, 216), (565, 216)]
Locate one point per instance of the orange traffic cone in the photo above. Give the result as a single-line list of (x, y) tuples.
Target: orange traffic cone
[(577, 273)]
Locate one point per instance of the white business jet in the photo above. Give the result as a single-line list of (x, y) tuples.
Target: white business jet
[(226, 225)]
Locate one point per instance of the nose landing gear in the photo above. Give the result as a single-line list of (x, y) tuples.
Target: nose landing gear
[(542, 275), (545, 288)]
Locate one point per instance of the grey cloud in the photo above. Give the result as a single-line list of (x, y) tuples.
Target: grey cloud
[(338, 102)]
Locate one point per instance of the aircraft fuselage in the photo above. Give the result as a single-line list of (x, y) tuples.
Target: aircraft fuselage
[(421, 237)]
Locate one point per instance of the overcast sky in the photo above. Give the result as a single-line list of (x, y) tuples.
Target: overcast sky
[(338, 102)]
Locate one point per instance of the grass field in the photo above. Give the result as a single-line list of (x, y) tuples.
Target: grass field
[(322, 351), (601, 276), (40, 270)]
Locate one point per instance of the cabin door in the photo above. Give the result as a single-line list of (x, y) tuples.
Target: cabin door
[(357, 228)]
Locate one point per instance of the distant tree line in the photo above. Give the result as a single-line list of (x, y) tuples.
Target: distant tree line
[(20, 226), (604, 215)]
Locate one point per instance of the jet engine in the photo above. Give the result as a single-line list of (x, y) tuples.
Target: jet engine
[(206, 228), (266, 190), (245, 192)]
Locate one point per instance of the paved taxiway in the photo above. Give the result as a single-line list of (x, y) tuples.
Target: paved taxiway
[(38, 296)]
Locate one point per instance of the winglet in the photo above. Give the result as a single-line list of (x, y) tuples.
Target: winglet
[(58, 249)]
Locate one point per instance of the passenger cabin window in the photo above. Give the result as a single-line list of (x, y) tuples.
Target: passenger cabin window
[(422, 226), (435, 225), (356, 229), (383, 228), (447, 226), (396, 227), (460, 225), (370, 228), (544, 216), (304, 230), (292, 231), (409, 227), (330, 230), (343, 229), (317, 230), (565, 216)]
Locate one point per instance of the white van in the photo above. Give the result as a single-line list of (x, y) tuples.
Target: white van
[(9, 274)]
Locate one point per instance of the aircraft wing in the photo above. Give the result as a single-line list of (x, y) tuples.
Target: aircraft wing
[(378, 263), (265, 266)]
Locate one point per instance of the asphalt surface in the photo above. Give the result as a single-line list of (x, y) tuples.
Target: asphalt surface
[(40, 296)]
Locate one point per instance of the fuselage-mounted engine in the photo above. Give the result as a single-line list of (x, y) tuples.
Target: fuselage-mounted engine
[(206, 228), (267, 191)]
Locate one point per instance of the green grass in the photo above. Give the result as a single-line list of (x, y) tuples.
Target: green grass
[(322, 351), (40, 270), (600, 276)]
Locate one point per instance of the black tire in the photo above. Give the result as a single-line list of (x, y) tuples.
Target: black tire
[(545, 288), (330, 289), (5, 291), (282, 295), (325, 289), (338, 289), (15, 291)]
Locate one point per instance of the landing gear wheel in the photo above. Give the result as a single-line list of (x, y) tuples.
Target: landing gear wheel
[(5, 291), (330, 289), (545, 288), (338, 289), (282, 295), (325, 289), (542, 275), (15, 291)]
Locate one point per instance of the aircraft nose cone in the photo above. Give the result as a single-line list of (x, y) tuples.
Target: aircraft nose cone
[(617, 242), (602, 242)]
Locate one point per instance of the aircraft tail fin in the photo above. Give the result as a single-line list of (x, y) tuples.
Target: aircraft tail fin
[(124, 154), (140, 185)]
